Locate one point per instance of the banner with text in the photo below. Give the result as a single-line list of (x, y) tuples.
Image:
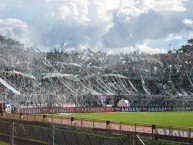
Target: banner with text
[(63, 110), (175, 132), (151, 109)]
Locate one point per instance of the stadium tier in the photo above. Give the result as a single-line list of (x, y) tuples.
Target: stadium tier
[(33, 78)]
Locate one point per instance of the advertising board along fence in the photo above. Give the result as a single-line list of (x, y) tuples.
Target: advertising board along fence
[(108, 125), (174, 132), (148, 129), (102, 124), (119, 126), (153, 109), (46, 110)]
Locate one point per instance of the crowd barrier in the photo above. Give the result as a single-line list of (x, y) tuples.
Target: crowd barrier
[(46, 110), (102, 124), (121, 126), (135, 127), (151, 129)]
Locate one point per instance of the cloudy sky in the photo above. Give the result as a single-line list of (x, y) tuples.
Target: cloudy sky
[(114, 26)]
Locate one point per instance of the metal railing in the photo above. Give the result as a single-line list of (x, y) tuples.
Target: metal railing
[(112, 125), (183, 134), (22, 132)]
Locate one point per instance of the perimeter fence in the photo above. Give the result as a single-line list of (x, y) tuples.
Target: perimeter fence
[(22, 132), (40, 129)]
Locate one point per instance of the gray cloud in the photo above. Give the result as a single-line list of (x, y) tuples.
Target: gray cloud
[(12, 28), (150, 25), (95, 24)]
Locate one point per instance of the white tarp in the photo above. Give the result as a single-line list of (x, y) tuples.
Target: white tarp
[(123, 103), (9, 87)]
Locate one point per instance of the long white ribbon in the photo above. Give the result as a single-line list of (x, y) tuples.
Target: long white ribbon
[(9, 87)]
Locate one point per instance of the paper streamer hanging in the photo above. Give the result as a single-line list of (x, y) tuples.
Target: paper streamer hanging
[(9, 87)]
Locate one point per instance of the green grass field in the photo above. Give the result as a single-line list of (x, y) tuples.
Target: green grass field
[(3, 143), (182, 119)]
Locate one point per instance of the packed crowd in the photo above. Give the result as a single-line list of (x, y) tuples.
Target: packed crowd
[(92, 74)]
